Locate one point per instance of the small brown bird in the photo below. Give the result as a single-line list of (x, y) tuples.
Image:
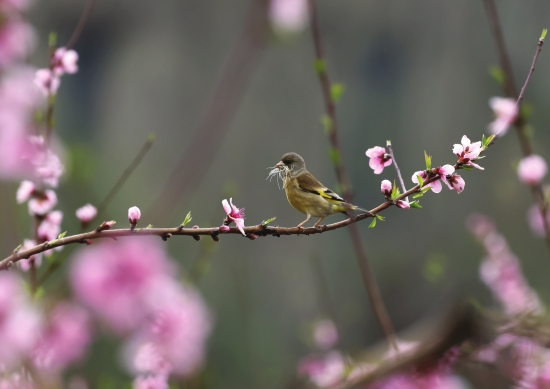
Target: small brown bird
[(305, 193)]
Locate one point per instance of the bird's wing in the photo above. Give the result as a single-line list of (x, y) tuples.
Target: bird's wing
[(308, 183)]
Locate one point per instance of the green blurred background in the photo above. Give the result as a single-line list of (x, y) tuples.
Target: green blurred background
[(415, 72)]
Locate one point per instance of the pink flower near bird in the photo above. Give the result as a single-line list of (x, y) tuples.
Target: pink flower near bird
[(456, 182), (234, 214), (506, 112), (378, 159), (532, 169), (386, 188), (47, 81), (25, 191), (86, 213), (65, 61), (50, 227), (435, 185), (467, 152), (134, 215), (42, 203)]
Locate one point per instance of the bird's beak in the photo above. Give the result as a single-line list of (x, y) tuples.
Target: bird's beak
[(280, 165)]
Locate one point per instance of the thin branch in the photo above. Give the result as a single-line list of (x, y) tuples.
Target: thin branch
[(81, 24), (126, 174), (511, 91), (403, 187), (369, 280)]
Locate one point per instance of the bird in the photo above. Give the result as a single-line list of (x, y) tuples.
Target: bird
[(305, 193)]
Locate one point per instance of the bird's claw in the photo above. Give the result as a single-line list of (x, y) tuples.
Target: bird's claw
[(320, 228)]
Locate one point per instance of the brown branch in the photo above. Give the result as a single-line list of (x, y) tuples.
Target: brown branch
[(369, 280), (510, 90), (81, 24)]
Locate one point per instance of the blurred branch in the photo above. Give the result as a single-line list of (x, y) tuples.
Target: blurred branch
[(510, 90), (208, 136), (81, 24), (330, 105)]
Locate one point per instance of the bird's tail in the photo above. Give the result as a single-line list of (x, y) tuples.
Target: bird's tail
[(346, 207)]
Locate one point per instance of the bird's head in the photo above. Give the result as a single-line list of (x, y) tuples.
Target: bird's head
[(295, 164)]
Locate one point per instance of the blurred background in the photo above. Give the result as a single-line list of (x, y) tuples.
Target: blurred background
[(414, 72)]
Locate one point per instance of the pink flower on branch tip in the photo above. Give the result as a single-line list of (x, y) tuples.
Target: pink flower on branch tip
[(468, 152), (386, 188), (47, 81), (25, 191), (378, 159), (234, 214), (42, 203), (133, 216), (86, 213), (506, 112), (532, 169), (65, 61)]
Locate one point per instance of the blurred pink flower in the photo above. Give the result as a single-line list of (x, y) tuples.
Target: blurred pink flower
[(42, 203), (13, 5), (20, 321), (48, 167), (18, 379), (532, 169), (86, 213), (435, 185), (133, 216), (534, 218), (288, 15), (25, 264), (234, 214), (25, 191), (386, 188), (467, 152), (325, 334), (378, 159), (47, 81), (112, 278), (65, 338), (50, 227), (323, 370), (429, 380), (153, 381), (18, 91), (65, 61), (506, 112), (17, 39)]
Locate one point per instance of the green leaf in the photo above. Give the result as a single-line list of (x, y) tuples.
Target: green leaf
[(498, 75), (52, 39), (420, 181), (428, 159), (149, 226), (543, 35), (320, 66), (334, 156), (62, 235), (372, 223), (187, 219), (415, 204), (381, 218), (418, 195), (17, 249), (467, 167), (336, 92), (326, 121), (265, 223), (395, 193)]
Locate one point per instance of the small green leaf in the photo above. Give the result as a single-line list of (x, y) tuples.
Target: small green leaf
[(326, 121), (418, 195), (381, 218), (187, 219), (543, 35), (467, 167), (149, 226), (52, 39), (336, 92), (334, 156), (62, 235), (428, 159), (395, 193), (320, 66), (498, 75), (415, 204), (48, 244), (420, 181), (265, 223), (17, 249), (372, 223)]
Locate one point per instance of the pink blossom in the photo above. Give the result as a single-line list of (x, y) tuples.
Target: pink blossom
[(429, 380), (536, 222), (324, 370), (86, 213), (506, 112), (42, 203), (288, 15), (325, 334), (112, 278), (18, 91), (48, 167), (25, 264), (386, 188), (149, 360), (153, 381), (468, 152), (403, 204), (50, 227), (435, 185), (19, 321), (15, 148), (25, 191), (17, 40), (234, 214), (65, 338), (532, 169), (47, 81), (456, 182), (133, 216), (378, 159), (65, 61), (17, 379)]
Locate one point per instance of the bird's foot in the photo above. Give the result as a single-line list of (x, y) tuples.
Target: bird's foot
[(320, 228), (301, 229)]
